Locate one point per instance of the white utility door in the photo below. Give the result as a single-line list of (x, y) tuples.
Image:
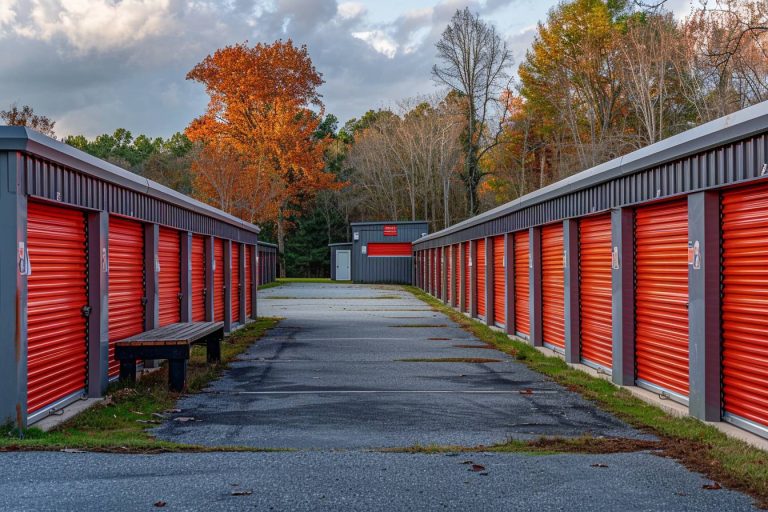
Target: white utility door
[(343, 270)]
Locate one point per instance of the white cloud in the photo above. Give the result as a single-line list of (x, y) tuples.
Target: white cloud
[(379, 41), (351, 10), (7, 12), (97, 25)]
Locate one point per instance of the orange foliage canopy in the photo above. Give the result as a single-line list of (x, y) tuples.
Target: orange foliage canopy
[(261, 101)]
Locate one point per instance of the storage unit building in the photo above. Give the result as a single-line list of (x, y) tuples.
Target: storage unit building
[(267, 263), (652, 267), (94, 254), (382, 251)]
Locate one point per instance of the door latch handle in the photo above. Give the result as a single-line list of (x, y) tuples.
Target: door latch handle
[(85, 311)]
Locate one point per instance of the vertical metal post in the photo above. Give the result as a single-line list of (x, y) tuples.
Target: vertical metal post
[(489, 288), (98, 300), (623, 302), (462, 277), (473, 278), (210, 268), (254, 282), (704, 333), (186, 277), (241, 291), (13, 292), (443, 275), (152, 275), (509, 282), (227, 285), (571, 274), (534, 267)]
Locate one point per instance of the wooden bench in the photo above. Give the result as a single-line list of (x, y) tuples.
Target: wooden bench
[(172, 342)]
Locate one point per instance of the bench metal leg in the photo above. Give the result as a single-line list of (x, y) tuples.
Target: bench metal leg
[(213, 348), (177, 374), (128, 370)]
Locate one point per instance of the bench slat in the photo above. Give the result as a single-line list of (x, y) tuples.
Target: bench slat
[(177, 333)]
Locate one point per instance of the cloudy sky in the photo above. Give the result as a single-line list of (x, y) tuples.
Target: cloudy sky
[(97, 65)]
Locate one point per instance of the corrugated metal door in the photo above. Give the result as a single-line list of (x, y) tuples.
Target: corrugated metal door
[(466, 276), (522, 284), (499, 289), (198, 278), (218, 280), (56, 327), (661, 296), (126, 283), (481, 278), (595, 290), (553, 286), (247, 280), (745, 302), (236, 283), (457, 277), (169, 279)]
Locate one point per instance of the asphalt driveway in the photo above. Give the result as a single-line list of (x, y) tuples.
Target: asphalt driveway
[(355, 366)]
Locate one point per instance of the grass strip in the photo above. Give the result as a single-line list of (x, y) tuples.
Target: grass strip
[(698, 446), (543, 446), (120, 424), (449, 360)]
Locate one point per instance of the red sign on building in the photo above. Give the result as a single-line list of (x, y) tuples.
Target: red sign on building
[(390, 230)]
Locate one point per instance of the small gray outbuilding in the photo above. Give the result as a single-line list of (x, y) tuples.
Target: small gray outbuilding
[(382, 252)]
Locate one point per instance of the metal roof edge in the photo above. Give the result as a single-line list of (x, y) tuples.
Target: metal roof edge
[(266, 244), (340, 243), (377, 223), (724, 130), (20, 138)]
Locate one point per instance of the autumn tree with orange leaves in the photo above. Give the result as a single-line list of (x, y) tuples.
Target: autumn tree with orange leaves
[(262, 117)]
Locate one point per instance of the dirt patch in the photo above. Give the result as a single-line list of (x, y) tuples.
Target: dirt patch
[(451, 360)]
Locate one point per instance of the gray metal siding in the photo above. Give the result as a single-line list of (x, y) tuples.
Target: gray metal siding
[(52, 182), (730, 163), (366, 269)]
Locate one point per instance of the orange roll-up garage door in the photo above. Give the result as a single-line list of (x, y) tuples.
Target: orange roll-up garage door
[(466, 276), (553, 285), (745, 302), (198, 278), (499, 289), (236, 283), (522, 284), (439, 271), (126, 283), (595, 290), (218, 280), (169, 279), (457, 277), (661, 296), (56, 295), (481, 278), (247, 281)]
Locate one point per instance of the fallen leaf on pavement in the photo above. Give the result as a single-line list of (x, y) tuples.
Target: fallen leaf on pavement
[(242, 493), (160, 504), (526, 392), (477, 468), (711, 487)]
